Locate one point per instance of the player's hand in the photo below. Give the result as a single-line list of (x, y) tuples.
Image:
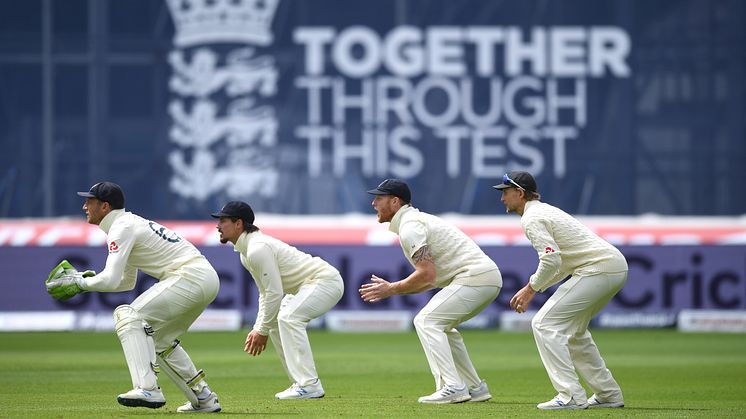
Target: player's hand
[(522, 299), (255, 343), (377, 290), (64, 281), (64, 288)]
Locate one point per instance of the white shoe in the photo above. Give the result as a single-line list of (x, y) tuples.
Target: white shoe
[(594, 402), (208, 405), (556, 404), (312, 391), (480, 393), (139, 397), (447, 395)]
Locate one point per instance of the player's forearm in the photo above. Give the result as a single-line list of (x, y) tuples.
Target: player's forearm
[(418, 281), (115, 277), (546, 273), (269, 308), (104, 282)]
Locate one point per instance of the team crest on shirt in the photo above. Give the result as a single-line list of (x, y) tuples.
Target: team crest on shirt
[(113, 247), (548, 250)]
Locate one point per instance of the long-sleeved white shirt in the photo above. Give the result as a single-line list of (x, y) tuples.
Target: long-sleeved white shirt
[(457, 258), (278, 269), (136, 243), (565, 246)]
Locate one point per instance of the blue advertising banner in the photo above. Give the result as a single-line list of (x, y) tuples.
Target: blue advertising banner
[(661, 278), (620, 107)]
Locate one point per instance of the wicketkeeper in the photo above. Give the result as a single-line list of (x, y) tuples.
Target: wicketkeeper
[(150, 326)]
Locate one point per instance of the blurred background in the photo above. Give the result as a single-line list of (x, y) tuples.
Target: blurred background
[(629, 113)]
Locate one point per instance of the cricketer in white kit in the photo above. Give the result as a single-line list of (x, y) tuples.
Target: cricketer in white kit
[(294, 288), (443, 257), (599, 270), (150, 326)]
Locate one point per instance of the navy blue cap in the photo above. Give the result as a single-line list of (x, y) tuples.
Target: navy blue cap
[(519, 179), (396, 187), (107, 192), (236, 209)]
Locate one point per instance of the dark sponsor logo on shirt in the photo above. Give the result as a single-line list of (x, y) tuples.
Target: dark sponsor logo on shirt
[(164, 233)]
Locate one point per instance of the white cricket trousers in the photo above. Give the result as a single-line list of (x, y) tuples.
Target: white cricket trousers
[(565, 345), (289, 335), (436, 327), (174, 303)]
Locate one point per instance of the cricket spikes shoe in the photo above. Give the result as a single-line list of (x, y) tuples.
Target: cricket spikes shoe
[(446, 395), (557, 404), (594, 402), (311, 391), (480, 393), (208, 405), (140, 397), (293, 387)]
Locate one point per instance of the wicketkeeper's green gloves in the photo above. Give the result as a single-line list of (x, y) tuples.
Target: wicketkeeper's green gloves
[(65, 282)]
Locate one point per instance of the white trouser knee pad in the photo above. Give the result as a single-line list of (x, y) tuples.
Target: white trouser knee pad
[(138, 346)]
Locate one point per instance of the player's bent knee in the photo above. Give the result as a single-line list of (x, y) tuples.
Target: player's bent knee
[(543, 328), (126, 317), (287, 317), (286, 320), (536, 324), (422, 321)]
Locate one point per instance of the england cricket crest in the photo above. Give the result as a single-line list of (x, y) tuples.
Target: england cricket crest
[(223, 132)]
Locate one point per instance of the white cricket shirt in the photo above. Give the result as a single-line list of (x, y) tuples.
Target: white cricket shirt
[(136, 243), (456, 257), (565, 246), (278, 269)]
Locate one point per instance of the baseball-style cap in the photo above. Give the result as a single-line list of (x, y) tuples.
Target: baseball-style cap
[(107, 192), (518, 179), (237, 209), (396, 187)]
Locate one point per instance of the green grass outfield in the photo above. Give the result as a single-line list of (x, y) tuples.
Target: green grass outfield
[(662, 373)]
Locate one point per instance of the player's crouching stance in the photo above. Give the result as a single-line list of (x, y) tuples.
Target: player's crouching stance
[(599, 271), (150, 326), (294, 288), (443, 257)]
